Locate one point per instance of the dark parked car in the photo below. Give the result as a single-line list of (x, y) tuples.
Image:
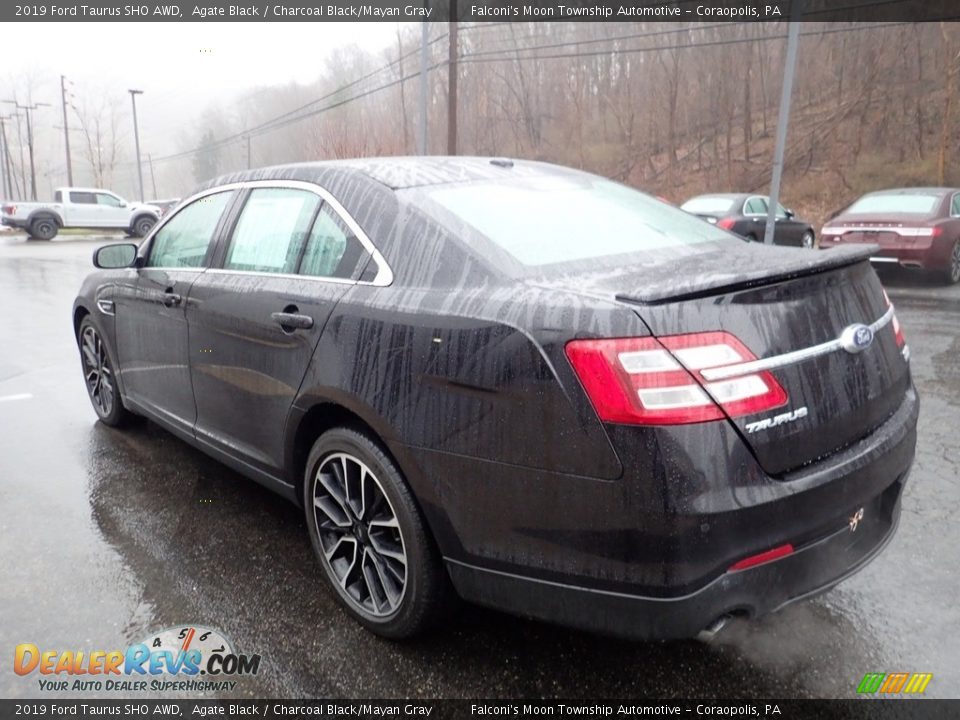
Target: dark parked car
[(746, 215), (540, 389), (164, 205), (914, 227)]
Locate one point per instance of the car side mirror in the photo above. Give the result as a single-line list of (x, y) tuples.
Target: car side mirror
[(113, 257), (789, 212)]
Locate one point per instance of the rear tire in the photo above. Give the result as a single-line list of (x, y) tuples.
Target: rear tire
[(807, 241), (44, 228), (370, 538), (142, 225), (96, 360), (952, 274)]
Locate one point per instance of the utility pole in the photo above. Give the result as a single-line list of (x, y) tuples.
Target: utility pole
[(453, 53), (136, 137), (153, 178), (33, 171), (248, 153), (7, 172), (4, 151), (793, 39), (66, 129), (424, 36)]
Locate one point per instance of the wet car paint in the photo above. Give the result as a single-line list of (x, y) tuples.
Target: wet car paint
[(460, 337), (109, 535)]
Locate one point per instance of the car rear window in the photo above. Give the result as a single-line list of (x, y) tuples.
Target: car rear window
[(708, 205), (896, 203), (548, 220)]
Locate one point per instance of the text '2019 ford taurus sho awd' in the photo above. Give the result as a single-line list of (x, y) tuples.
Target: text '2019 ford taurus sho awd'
[(517, 383)]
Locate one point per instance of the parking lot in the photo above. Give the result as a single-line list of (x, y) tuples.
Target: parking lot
[(107, 536)]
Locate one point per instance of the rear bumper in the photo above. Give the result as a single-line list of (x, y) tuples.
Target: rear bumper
[(13, 222), (810, 570), (593, 555), (922, 253)]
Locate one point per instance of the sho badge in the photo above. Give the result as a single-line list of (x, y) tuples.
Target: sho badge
[(855, 519), (776, 420)]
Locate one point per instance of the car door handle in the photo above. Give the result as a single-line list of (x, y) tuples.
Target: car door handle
[(171, 299), (292, 321)]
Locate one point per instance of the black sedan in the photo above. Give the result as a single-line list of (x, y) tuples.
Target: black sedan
[(746, 215), (519, 384)]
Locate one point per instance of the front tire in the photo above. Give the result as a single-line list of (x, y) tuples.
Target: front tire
[(807, 241), (44, 228), (370, 538), (96, 359)]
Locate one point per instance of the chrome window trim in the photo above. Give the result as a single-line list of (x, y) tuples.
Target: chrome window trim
[(743, 209), (384, 276), (790, 358), (289, 276)]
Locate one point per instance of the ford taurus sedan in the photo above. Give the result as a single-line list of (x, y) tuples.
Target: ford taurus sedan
[(519, 384), (746, 215), (914, 227)]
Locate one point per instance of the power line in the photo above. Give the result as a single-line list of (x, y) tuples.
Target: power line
[(309, 110), (512, 57)]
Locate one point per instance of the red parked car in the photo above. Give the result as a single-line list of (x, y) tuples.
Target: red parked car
[(914, 227)]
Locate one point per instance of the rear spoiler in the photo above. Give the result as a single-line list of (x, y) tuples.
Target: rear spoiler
[(747, 269)]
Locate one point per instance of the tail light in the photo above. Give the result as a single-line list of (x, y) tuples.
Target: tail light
[(726, 223), (9, 209), (657, 381), (897, 330)]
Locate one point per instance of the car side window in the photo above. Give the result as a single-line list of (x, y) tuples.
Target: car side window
[(755, 206), (781, 211), (955, 205), (332, 249), (184, 239), (83, 198), (272, 230), (108, 200)]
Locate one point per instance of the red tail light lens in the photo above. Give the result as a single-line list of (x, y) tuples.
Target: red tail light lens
[(9, 209), (657, 381), (726, 223), (897, 330)]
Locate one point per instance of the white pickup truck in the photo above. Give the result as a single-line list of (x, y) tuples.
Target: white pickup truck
[(75, 207)]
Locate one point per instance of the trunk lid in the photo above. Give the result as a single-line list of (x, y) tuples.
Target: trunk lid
[(777, 301)]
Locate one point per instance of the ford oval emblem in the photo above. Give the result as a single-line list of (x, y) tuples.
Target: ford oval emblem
[(856, 338)]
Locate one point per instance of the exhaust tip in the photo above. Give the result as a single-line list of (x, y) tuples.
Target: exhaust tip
[(710, 632)]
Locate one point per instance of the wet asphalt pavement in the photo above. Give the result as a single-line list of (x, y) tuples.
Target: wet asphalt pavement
[(106, 536)]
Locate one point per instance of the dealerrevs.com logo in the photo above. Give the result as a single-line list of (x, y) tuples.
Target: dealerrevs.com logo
[(188, 658)]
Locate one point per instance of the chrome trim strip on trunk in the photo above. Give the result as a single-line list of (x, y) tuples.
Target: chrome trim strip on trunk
[(789, 358)]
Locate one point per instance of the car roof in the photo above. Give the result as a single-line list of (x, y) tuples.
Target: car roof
[(914, 191), (726, 196), (71, 188), (404, 172)]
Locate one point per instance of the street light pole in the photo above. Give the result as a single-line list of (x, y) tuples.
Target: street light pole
[(779, 150), (136, 137)]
